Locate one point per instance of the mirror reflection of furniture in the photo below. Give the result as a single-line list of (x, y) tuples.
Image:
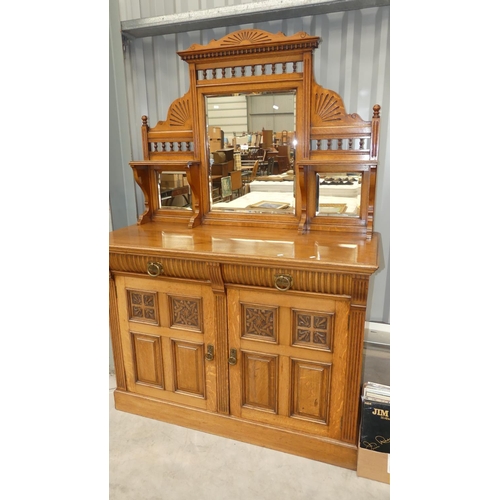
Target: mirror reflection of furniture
[(236, 183), (284, 137), (328, 141), (246, 317), (216, 138), (283, 159), (249, 172), (174, 189), (270, 166), (226, 189), (267, 139)]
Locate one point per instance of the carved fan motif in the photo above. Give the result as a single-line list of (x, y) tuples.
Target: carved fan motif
[(328, 106), (246, 36), (180, 114)]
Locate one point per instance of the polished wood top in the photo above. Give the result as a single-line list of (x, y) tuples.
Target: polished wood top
[(255, 246)]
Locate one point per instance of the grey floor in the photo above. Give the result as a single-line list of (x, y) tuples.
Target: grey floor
[(152, 460)]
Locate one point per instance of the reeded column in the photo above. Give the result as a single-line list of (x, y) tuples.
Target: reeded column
[(354, 358), (221, 337), (115, 335)]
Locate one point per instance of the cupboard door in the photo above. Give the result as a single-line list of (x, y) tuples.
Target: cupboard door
[(166, 329), (290, 352)]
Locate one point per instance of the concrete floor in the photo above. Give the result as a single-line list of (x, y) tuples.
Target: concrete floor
[(152, 460)]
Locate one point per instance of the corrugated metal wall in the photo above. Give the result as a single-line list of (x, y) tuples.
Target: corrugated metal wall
[(352, 59), (133, 9)]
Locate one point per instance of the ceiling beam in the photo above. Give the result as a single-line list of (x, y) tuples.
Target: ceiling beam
[(256, 12)]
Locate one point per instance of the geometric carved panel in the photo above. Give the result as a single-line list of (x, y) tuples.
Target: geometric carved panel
[(260, 381), (147, 359), (259, 322), (312, 329), (310, 394), (188, 367), (142, 306), (186, 313)]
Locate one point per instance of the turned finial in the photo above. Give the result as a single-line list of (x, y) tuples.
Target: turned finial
[(144, 120), (376, 111)]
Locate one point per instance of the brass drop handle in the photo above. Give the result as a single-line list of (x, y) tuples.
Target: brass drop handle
[(209, 356), (283, 282), (154, 269), (232, 357)]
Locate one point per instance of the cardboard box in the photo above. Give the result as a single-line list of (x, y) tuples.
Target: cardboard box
[(171, 181), (215, 133), (215, 145), (374, 465)]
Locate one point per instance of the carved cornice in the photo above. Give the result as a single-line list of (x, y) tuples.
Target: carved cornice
[(250, 41)]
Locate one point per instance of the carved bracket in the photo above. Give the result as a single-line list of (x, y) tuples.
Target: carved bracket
[(216, 279), (141, 176)]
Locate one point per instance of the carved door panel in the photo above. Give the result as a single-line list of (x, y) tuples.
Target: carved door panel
[(166, 327), (290, 351)]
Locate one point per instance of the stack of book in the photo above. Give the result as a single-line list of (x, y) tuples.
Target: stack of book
[(377, 392), (375, 417)]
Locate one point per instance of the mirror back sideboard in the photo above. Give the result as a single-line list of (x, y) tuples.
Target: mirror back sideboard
[(249, 322)]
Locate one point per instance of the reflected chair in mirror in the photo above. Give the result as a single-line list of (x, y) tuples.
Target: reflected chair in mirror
[(270, 166), (284, 138), (249, 175), (255, 170)]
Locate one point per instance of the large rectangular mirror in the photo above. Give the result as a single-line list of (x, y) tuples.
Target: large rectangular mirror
[(251, 138)]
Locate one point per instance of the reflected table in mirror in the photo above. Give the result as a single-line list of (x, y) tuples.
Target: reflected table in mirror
[(260, 201), (168, 196)]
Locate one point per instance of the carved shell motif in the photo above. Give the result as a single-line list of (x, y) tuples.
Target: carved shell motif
[(328, 106), (180, 114), (246, 36)]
